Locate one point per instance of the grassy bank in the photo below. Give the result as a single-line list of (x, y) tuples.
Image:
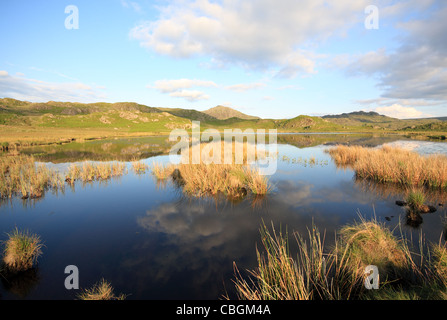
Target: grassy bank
[(338, 273)]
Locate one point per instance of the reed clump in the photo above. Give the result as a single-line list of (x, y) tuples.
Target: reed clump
[(338, 273), (139, 167), (393, 165), (371, 243), (213, 179), (312, 275), (203, 177), (416, 200), (21, 251), (88, 171), (101, 290), (20, 175)]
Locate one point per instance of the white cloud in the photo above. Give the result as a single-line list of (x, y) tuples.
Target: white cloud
[(166, 86), (132, 4), (264, 34), (417, 69), (400, 112), (241, 87), (190, 95), (35, 90), (177, 88)]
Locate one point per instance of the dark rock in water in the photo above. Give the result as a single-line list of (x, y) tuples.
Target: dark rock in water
[(177, 177), (426, 209), (401, 203)]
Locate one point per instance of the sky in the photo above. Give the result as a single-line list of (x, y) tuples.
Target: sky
[(269, 58)]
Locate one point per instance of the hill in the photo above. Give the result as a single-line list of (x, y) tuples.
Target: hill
[(222, 113), (376, 121), (358, 118), (189, 114), (26, 122)]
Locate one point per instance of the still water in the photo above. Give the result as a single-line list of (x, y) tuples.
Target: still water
[(151, 242)]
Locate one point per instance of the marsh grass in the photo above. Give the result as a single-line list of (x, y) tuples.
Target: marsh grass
[(312, 275), (416, 199), (20, 175), (101, 290), (338, 273), (139, 167), (372, 243), (234, 180), (21, 251), (199, 180), (88, 171), (393, 165)]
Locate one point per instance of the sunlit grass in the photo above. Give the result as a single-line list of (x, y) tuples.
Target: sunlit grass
[(212, 179), (19, 175), (338, 273), (393, 165), (22, 250), (88, 171), (415, 199), (139, 167), (208, 178), (102, 290)]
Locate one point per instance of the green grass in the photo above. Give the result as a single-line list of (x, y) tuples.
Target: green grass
[(416, 199)]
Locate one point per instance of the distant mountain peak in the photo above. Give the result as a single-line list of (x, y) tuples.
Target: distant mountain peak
[(222, 113)]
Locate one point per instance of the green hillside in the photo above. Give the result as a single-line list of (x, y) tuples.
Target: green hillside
[(189, 114), (28, 122)]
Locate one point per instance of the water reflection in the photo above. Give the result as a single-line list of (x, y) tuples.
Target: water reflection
[(150, 240), (22, 283)]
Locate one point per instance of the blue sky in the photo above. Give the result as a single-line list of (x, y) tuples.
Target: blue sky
[(273, 59)]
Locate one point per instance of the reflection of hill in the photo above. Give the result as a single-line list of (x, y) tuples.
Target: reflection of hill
[(311, 140), (128, 149), (104, 150)]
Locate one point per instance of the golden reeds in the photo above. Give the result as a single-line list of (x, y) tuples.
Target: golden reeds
[(101, 290), (339, 273), (393, 165), (21, 250), (203, 177)]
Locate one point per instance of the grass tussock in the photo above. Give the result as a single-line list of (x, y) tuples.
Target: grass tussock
[(102, 290), (372, 243), (416, 199), (393, 165), (199, 180), (21, 251), (338, 273), (200, 177), (312, 275)]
